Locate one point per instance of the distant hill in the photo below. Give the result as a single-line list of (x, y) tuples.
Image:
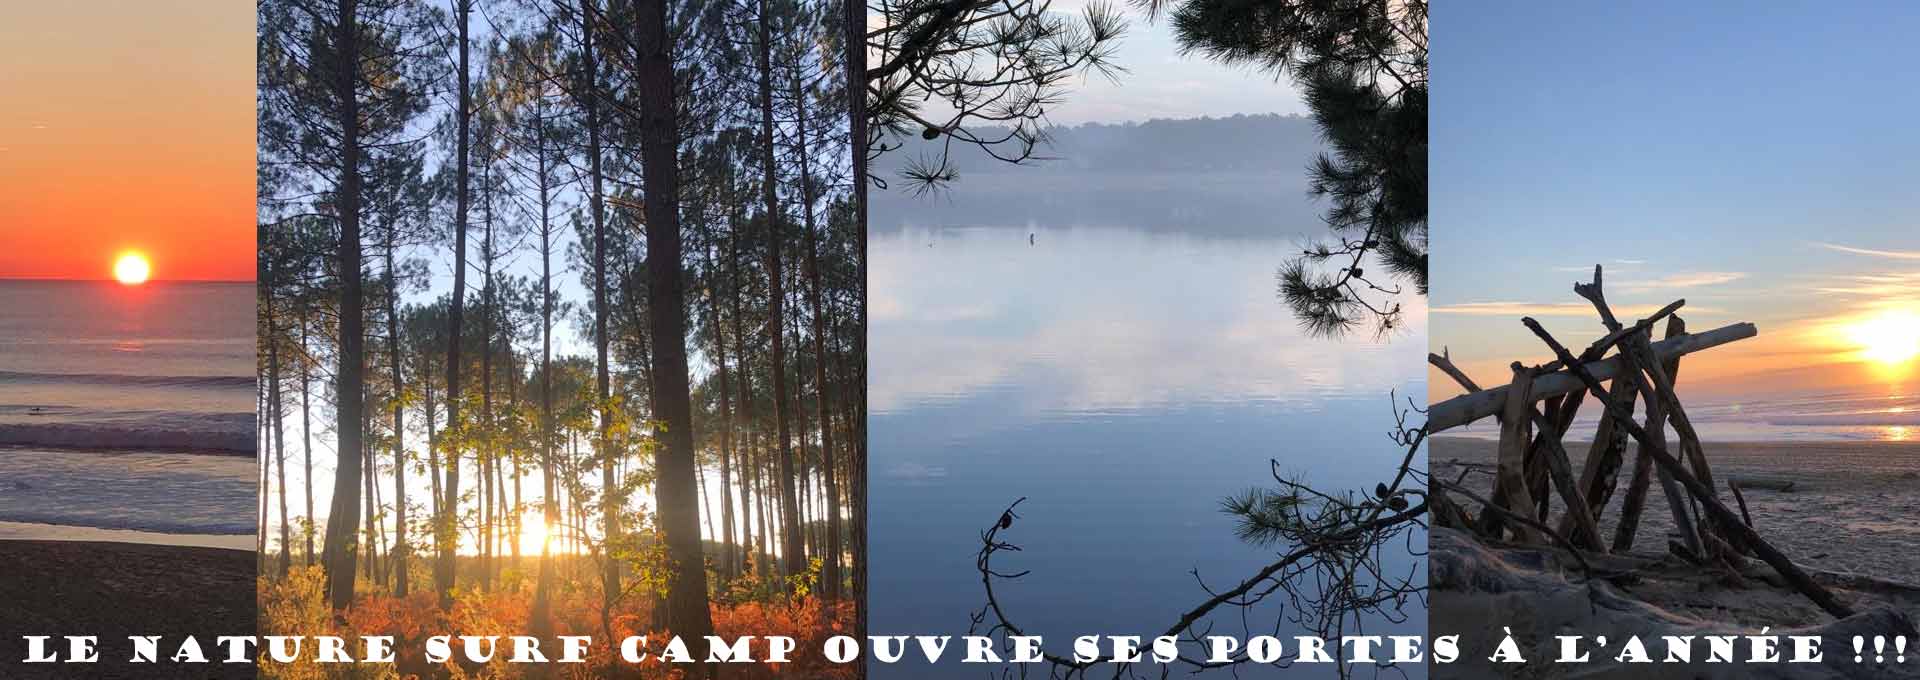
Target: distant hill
[(1236, 176)]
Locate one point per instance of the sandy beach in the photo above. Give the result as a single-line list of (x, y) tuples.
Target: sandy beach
[(1852, 520), (1854, 507), (113, 590)]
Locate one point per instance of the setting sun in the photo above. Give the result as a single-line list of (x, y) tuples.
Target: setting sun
[(132, 269), (1891, 337)]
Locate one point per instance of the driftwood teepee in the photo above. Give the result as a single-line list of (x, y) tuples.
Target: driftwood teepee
[(1534, 409)]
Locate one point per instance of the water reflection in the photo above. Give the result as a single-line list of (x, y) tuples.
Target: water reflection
[(1123, 380)]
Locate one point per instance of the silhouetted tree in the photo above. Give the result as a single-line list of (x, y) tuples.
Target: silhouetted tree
[(1363, 67), (954, 68), (338, 89)]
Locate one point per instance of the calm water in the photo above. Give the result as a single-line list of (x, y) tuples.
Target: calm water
[(127, 408), (1124, 382)]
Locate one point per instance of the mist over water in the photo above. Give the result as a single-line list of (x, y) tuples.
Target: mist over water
[(127, 407), (1124, 381)]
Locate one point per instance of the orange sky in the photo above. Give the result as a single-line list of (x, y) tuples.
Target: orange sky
[(127, 124)]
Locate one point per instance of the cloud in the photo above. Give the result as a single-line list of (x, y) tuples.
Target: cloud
[(1890, 254), (1879, 285), (1516, 309), (1616, 265), (1683, 280)]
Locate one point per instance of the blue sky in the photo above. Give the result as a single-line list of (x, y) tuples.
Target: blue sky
[(1739, 155)]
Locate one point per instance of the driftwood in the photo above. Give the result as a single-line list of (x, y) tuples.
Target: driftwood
[(1600, 475), (1510, 482), (1546, 447), (1718, 511), (1533, 464), (1763, 483), (1634, 350), (1561, 471), (1473, 406), (1656, 424), (1742, 500)]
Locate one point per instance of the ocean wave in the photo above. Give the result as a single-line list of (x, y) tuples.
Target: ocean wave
[(230, 433), (245, 382), (1871, 418), (175, 493)]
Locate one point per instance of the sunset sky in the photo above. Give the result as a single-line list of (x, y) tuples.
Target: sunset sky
[(127, 125), (1751, 158)]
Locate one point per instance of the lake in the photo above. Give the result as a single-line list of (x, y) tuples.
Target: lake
[(1124, 382)]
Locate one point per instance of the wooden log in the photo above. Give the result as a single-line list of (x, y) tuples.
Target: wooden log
[(1658, 374), (1658, 416), (1742, 500), (1763, 483), (1642, 369), (1514, 436), (1491, 507), (1545, 448), (1444, 362), (1561, 471), (1489, 524), (1539, 482), (1473, 406), (1635, 501), (1600, 474), (1719, 511), (1661, 379), (1644, 467)]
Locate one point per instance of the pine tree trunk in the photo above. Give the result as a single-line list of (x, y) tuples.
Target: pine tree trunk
[(855, 62), (266, 471), (541, 615), (614, 500), (306, 435), (367, 502), (285, 562), (830, 567), (791, 552), (729, 562), (750, 484), (486, 452), (446, 537), (349, 379), (401, 549), (688, 614)]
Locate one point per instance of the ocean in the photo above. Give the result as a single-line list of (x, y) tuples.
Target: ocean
[(127, 408), (1863, 414)]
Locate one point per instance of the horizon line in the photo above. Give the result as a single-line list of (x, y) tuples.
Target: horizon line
[(112, 280)]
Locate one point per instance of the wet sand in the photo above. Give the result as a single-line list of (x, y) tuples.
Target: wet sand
[(113, 590), (27, 531)]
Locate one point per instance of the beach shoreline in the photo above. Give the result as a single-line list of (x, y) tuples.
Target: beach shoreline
[(66, 533)]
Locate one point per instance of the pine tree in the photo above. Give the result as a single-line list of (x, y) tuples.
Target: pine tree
[(1363, 67)]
